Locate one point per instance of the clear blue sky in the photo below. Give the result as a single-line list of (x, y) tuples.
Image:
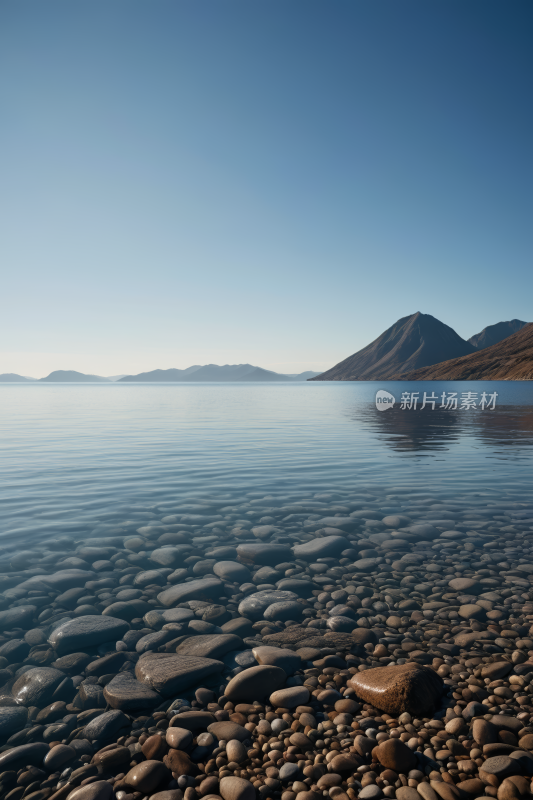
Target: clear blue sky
[(273, 181)]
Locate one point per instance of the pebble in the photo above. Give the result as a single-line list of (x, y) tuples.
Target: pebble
[(350, 645)]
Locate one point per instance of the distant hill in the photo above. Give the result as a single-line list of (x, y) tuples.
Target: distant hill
[(71, 376), (413, 342), (493, 334), (508, 360), (213, 372), (11, 377)]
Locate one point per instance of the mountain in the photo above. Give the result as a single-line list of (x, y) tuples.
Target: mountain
[(11, 377), (303, 376), (71, 376), (115, 377), (210, 372), (413, 342), (508, 360), (493, 334)]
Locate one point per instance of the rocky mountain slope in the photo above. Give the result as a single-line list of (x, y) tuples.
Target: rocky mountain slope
[(493, 334), (411, 343), (509, 360)]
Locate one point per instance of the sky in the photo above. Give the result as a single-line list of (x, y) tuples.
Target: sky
[(229, 181)]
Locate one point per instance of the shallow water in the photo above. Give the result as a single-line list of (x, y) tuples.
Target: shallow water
[(74, 457)]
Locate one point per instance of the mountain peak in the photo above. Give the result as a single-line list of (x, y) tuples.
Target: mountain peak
[(493, 334), (419, 339)]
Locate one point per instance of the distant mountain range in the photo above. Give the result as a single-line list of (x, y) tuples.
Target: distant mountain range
[(198, 373), (510, 359), (411, 344)]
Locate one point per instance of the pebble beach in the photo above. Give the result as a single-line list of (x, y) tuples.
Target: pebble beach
[(351, 644)]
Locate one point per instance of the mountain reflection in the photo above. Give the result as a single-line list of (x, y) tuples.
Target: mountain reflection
[(428, 430)]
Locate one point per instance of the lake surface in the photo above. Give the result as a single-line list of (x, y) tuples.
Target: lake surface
[(77, 458)]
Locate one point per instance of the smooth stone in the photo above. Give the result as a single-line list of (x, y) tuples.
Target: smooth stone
[(265, 554), (67, 578), (227, 730), (147, 776), (255, 683), (291, 697), (19, 617), (341, 624), (370, 792), (206, 589), (395, 689), (289, 661), (298, 586), (178, 738), (472, 611), (344, 523), (177, 615), (497, 669), (178, 762), (213, 646), (106, 726), (24, 755), (499, 765), (170, 673), (284, 610), (232, 788), (170, 556), (37, 686), (324, 547), (86, 632), (239, 625), (232, 571), (125, 693), (12, 719), (99, 790), (465, 586), (194, 721), (289, 772), (394, 754), (254, 605), (58, 756), (126, 611)]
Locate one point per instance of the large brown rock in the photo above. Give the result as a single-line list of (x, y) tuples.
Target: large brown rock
[(178, 762), (394, 754), (409, 687), (147, 776)]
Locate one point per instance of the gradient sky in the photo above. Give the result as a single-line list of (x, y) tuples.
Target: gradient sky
[(230, 181)]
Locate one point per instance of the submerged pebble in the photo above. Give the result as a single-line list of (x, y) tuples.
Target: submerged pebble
[(284, 646)]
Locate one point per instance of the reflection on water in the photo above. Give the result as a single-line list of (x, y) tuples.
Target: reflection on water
[(74, 457), (433, 431)]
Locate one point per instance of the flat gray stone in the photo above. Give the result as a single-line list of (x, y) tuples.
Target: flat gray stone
[(127, 694), (12, 719), (344, 523), (284, 610), (106, 726), (210, 645), (323, 547), (254, 606), (203, 589), (289, 661), (178, 615), (37, 686), (232, 571), (266, 554), (170, 556), (19, 617), (67, 578), (170, 673), (88, 631), (126, 610)]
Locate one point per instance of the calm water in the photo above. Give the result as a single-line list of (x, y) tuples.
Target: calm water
[(74, 457)]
